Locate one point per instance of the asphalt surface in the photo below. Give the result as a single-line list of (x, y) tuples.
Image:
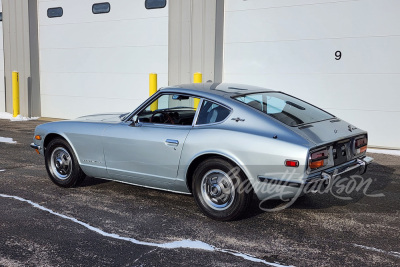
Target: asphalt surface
[(317, 230)]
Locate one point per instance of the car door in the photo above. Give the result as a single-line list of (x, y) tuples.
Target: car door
[(147, 152)]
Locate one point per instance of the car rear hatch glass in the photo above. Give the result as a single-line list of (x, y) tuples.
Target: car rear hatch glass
[(287, 109)]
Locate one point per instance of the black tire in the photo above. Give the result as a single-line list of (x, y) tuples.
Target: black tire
[(62, 165), (221, 189)]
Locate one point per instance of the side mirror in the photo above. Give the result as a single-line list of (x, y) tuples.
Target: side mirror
[(135, 124)]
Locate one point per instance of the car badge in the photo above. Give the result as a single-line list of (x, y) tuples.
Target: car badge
[(350, 128), (238, 119)]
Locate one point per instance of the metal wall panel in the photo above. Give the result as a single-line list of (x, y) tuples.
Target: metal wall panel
[(16, 50), (2, 87), (192, 40), (290, 46)]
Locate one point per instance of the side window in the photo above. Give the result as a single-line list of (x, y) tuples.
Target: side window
[(211, 112), (152, 4), (101, 8), (174, 109), (55, 12)]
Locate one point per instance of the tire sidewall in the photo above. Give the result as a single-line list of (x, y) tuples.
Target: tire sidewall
[(75, 175), (240, 201)]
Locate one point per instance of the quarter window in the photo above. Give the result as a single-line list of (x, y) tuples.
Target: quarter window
[(55, 12), (211, 112), (101, 8), (152, 4)]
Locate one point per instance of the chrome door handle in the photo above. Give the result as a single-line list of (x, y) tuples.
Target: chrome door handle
[(171, 142)]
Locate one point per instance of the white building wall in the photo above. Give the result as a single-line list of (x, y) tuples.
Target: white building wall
[(2, 88), (96, 63), (290, 45)]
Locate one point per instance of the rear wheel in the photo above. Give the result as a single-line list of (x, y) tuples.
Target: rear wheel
[(62, 165), (221, 189)]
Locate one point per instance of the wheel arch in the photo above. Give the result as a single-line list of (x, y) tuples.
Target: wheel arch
[(51, 136), (200, 158)]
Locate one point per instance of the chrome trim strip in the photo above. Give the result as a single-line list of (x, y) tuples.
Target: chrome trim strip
[(196, 115)]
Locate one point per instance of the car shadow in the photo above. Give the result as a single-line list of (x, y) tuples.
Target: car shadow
[(369, 188), (91, 181)]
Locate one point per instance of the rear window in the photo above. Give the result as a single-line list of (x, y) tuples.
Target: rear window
[(287, 109)]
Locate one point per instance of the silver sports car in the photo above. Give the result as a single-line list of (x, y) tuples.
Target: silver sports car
[(220, 142)]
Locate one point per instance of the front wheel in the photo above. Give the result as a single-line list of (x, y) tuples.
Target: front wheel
[(62, 165), (221, 189)]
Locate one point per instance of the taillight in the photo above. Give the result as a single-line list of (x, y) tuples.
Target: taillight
[(360, 145), (318, 159)]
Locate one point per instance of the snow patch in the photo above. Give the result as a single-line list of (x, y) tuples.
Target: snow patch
[(384, 151), (2, 170), (176, 244), (7, 140), (9, 116)]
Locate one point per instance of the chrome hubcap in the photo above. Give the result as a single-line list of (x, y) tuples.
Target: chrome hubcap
[(217, 190), (61, 163)]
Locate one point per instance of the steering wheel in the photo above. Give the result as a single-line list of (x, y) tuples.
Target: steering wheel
[(165, 115)]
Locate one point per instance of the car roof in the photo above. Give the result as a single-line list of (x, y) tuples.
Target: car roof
[(220, 89)]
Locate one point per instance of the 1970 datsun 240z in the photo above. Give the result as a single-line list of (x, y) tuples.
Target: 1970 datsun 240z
[(220, 142)]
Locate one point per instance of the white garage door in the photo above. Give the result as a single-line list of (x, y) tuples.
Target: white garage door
[(95, 63), (2, 90), (291, 45)]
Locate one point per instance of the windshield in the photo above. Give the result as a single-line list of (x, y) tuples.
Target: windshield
[(287, 109)]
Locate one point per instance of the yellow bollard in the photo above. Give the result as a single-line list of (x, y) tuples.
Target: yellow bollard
[(153, 90), (15, 93), (197, 78)]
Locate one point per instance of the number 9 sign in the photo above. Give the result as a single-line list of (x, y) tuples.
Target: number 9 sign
[(338, 55)]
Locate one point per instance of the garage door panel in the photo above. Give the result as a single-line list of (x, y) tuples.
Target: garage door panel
[(104, 34), (262, 4), (91, 85), (108, 60), (359, 55), (381, 121), (298, 22), (60, 106), (344, 91), (78, 11), (93, 63)]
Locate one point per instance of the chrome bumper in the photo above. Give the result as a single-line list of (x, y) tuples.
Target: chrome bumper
[(358, 166), (34, 146)]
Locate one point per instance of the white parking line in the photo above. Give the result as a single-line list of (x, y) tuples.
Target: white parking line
[(190, 244), (392, 253)]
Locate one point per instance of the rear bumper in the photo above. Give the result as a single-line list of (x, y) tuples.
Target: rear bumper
[(270, 188), (358, 166)]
